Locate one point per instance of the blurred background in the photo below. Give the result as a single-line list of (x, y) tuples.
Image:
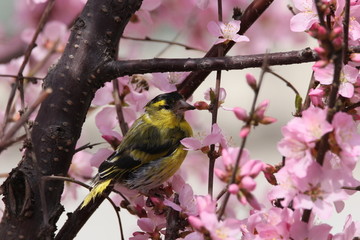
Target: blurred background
[(262, 143)]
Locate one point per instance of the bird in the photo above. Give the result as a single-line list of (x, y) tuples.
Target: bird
[(151, 151)]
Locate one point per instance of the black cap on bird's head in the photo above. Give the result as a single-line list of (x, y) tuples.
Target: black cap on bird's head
[(171, 101)]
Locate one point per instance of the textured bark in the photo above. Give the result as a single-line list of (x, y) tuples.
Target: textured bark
[(129, 67), (32, 205)]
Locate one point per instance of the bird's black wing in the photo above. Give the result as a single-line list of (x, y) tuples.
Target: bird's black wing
[(148, 144)]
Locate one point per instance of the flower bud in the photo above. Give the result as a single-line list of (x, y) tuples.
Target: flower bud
[(251, 81), (233, 189), (337, 43), (201, 105), (244, 132), (319, 50), (320, 64), (113, 141), (240, 113), (267, 120), (355, 57)]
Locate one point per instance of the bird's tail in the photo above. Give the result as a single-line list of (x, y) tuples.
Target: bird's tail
[(98, 189)]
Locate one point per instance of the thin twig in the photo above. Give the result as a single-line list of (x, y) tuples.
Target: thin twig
[(122, 123), (148, 39), (284, 80), (346, 31), (31, 46), (357, 188), (243, 142), (214, 113), (8, 108), (169, 45), (219, 7), (318, 5), (312, 85), (85, 146), (31, 79), (353, 106), (291, 9), (46, 58), (10, 142), (43, 95)]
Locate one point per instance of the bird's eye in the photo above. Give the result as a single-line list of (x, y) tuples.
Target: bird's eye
[(166, 106)]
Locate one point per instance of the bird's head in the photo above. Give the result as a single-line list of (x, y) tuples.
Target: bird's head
[(167, 104)]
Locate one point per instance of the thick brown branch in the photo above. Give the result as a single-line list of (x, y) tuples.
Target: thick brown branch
[(122, 68), (74, 80), (115, 69)]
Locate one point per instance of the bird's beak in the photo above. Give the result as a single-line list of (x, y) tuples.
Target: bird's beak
[(183, 106)]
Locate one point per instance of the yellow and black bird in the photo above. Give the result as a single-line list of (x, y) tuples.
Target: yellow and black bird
[(150, 152)]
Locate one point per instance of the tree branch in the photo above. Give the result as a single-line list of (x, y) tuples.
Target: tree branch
[(129, 67), (116, 69), (57, 127)]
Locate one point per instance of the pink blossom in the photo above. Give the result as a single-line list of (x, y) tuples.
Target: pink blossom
[(302, 230), (248, 183), (137, 100), (105, 96), (191, 143), (214, 137), (219, 230), (208, 94), (186, 197), (202, 4), (350, 231), (292, 145), (267, 224), (324, 74), (206, 204), (316, 96), (194, 236), (101, 155), (319, 190), (347, 138), (150, 226), (286, 188), (348, 77), (167, 82), (226, 32), (354, 25), (311, 126), (306, 17), (80, 169), (106, 121), (300, 136)]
